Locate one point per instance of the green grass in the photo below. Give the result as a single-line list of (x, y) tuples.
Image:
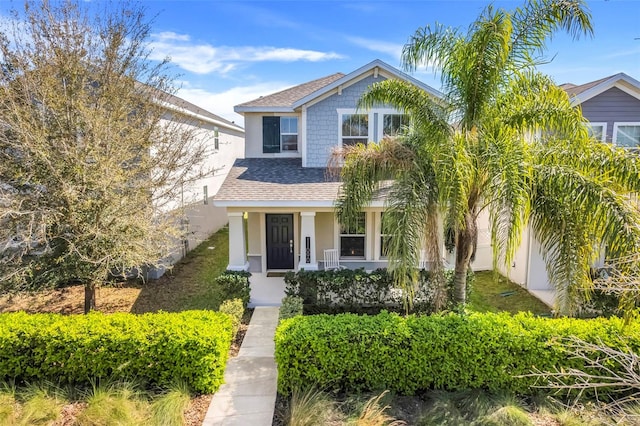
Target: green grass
[(190, 285), (168, 409), (486, 296)]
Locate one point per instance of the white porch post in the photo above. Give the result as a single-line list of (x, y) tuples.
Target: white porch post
[(237, 246), (308, 238)]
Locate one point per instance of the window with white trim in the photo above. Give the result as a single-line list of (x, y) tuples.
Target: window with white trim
[(205, 194), (626, 135), (352, 238), (289, 133), (355, 129), (597, 131), (385, 239), (393, 124)]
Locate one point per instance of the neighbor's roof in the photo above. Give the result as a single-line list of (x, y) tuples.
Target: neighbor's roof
[(281, 182), (181, 103), (290, 99), (583, 92)]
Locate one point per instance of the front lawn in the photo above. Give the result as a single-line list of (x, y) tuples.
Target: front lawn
[(492, 292), (190, 285)]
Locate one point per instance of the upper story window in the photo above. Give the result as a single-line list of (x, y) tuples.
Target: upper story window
[(598, 131), (216, 139), (626, 135), (392, 124), (279, 134), (355, 129)]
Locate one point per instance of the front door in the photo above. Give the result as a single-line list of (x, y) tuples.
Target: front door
[(280, 247)]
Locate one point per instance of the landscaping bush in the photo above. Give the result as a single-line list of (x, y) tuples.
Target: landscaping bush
[(351, 290), (235, 309), (454, 352), (291, 307), (235, 285), (158, 349)]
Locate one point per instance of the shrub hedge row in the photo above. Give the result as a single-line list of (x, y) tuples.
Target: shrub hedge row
[(357, 288), (361, 353), (158, 348)]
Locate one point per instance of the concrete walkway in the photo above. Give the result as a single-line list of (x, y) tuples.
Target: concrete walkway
[(266, 291), (248, 396)]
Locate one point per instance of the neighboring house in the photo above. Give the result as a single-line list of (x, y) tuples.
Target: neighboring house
[(200, 217), (281, 191), (612, 106), (226, 142)]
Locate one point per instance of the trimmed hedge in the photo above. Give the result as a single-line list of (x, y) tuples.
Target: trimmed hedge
[(235, 285), (454, 352), (158, 348), (354, 289)]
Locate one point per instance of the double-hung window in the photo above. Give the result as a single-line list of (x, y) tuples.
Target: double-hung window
[(279, 134), (597, 131), (352, 238), (355, 129), (626, 135)]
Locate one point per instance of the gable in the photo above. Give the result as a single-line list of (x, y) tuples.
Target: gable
[(610, 106)]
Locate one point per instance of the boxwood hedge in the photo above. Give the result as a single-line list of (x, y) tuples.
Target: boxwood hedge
[(360, 353), (158, 348)]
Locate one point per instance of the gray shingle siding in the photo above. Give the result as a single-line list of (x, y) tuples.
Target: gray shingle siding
[(612, 106), (322, 121)]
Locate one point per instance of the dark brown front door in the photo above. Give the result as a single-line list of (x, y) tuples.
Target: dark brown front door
[(280, 247)]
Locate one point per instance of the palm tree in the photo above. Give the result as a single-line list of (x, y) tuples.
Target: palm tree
[(505, 139)]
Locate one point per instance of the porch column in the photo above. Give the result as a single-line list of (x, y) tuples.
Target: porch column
[(308, 241), (237, 246)]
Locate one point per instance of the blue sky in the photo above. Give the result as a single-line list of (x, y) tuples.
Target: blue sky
[(229, 52)]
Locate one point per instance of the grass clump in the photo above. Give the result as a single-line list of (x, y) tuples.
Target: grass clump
[(41, 404), (310, 407), (169, 408), (7, 408), (119, 404), (374, 414), (509, 415)]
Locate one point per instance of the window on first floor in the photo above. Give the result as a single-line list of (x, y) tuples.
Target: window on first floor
[(352, 238), (385, 239), (279, 134), (626, 135), (597, 131)]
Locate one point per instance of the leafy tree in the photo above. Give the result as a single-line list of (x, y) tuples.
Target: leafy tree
[(91, 158), (505, 138)]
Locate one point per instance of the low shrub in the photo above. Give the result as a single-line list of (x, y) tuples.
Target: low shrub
[(235, 309), (453, 352), (351, 290), (291, 307), (158, 349), (235, 285)]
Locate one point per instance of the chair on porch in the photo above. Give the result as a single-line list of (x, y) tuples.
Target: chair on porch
[(332, 260)]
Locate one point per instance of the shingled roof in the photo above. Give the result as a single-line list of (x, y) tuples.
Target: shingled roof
[(276, 179), (574, 90), (286, 98)]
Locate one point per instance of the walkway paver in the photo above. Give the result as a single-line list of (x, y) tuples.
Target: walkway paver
[(248, 396)]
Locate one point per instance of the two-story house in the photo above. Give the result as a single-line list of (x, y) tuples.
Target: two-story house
[(612, 107), (281, 192)]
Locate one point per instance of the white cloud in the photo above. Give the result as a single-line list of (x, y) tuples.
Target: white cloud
[(392, 49), (222, 103), (205, 58)]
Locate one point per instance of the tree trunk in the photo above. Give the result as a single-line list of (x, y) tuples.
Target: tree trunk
[(89, 297), (464, 251)]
